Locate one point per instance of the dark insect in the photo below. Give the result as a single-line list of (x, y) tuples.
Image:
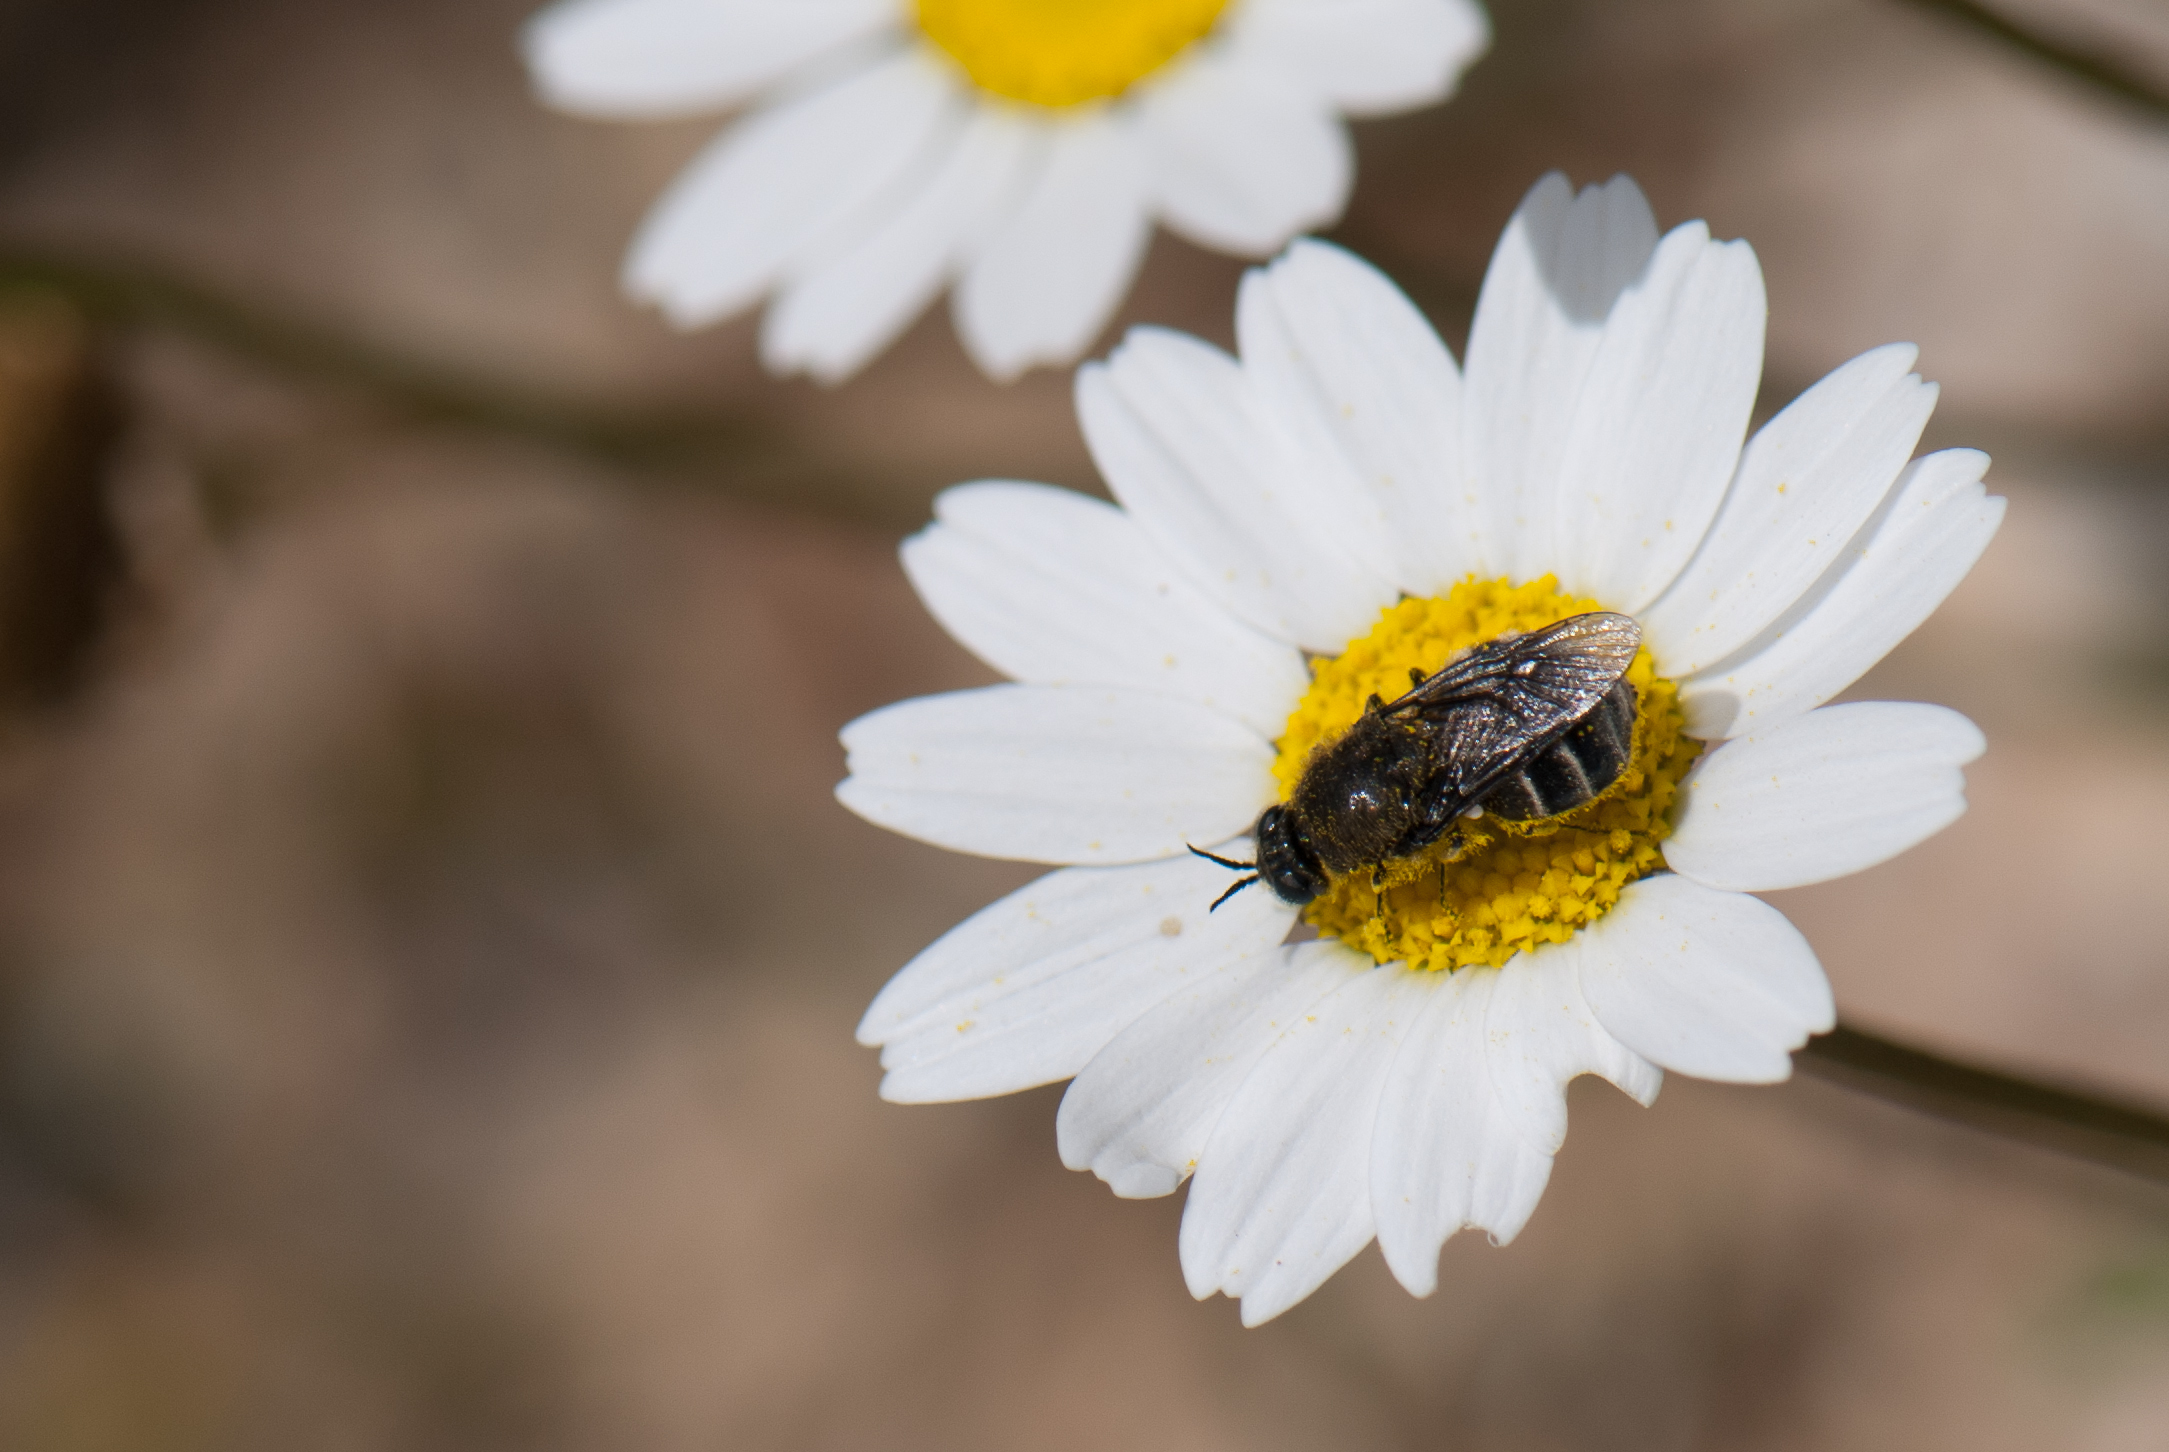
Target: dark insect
[(1524, 727)]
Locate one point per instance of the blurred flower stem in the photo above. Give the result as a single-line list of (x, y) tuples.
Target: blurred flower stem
[(2097, 63), (57, 549), (2085, 1125), (734, 453)]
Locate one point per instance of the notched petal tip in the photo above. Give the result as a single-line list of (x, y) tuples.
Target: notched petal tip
[(1416, 1273), (1645, 1092), (1143, 1182)]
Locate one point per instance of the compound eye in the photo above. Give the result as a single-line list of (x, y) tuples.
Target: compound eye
[(1292, 884), (1281, 859)]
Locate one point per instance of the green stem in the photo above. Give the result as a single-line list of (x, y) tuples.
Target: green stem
[(2095, 64), (2107, 1131)]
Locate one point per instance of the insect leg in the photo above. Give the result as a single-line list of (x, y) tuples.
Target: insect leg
[(1435, 824)]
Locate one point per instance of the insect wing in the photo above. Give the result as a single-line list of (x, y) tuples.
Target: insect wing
[(1570, 664), (1505, 699)]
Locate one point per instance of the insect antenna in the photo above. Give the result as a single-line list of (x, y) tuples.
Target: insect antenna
[(1239, 886), (1223, 861)]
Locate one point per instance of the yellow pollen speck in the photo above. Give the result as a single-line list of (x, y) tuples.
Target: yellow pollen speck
[(1506, 886), (1171, 927), (1064, 52)]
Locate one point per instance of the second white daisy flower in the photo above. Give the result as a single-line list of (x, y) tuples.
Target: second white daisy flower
[(1020, 148), (1300, 527)]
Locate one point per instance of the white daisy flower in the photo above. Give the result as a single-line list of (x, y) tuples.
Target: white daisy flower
[(1020, 148), (1297, 529)]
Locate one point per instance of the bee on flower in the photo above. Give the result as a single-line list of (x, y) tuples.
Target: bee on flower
[(1020, 150), (1300, 533)]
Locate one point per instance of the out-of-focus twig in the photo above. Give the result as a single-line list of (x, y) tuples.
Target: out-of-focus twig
[(2095, 64), (57, 549), (2089, 1126), (735, 455)]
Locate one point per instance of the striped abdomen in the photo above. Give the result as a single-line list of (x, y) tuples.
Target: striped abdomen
[(1580, 764)]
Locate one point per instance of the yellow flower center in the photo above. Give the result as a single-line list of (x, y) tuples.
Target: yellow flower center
[(1065, 52), (1502, 886)]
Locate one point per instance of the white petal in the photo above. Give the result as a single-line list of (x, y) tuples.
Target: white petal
[(772, 186), (1539, 1034), (1810, 478), (1077, 915), (1447, 1151), (838, 312), (1822, 795), (1553, 281), (1368, 57), (1282, 1194), (1714, 984), (1027, 991), (1056, 774), (1217, 482), (1929, 532), (1336, 350), (654, 58), (1052, 587), (1140, 1114), (1663, 412), (1045, 281), (1239, 163)]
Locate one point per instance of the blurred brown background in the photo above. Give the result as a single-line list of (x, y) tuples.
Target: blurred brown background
[(429, 951)]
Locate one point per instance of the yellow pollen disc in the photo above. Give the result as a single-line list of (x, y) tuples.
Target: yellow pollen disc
[(1065, 52), (1505, 886)]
